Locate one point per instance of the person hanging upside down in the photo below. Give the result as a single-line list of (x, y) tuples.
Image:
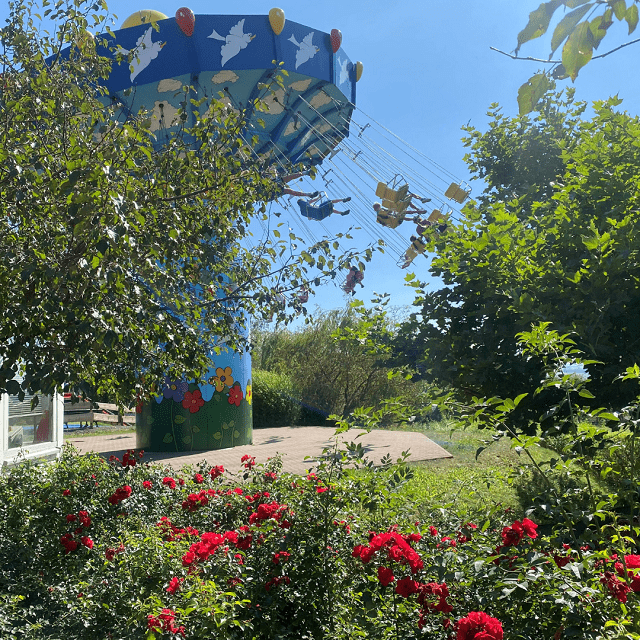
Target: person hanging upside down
[(322, 210), (354, 277)]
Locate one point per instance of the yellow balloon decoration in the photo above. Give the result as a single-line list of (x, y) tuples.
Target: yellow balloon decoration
[(145, 16), (359, 69), (276, 20)]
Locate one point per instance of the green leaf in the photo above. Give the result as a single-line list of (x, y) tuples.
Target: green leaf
[(531, 91), (179, 419), (619, 8), (572, 4), (599, 26), (538, 22), (566, 26), (186, 439), (168, 437), (195, 429), (578, 49), (584, 393), (632, 18)]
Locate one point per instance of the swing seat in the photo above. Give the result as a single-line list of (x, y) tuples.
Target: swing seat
[(435, 216), (457, 193), (319, 212), (393, 195)]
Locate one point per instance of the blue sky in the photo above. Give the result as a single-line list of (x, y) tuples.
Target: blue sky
[(428, 70)]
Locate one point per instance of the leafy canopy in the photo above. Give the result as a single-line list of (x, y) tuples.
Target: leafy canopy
[(553, 238), (112, 246)]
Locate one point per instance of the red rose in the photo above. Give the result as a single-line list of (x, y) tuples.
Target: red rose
[(147, 484), (198, 478), (385, 576), (216, 472), (87, 542), (479, 626), (174, 585), (406, 587)]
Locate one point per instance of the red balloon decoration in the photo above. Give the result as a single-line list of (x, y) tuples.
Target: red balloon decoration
[(336, 39), (186, 20)]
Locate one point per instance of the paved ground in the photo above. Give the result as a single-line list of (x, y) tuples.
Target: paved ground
[(294, 443)]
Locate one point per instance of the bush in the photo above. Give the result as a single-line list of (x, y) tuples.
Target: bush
[(121, 550), (276, 402)]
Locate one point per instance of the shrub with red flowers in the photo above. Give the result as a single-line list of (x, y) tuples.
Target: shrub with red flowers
[(293, 562)]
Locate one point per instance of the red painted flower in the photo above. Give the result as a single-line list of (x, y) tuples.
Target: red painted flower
[(479, 626), (235, 395), (193, 401)]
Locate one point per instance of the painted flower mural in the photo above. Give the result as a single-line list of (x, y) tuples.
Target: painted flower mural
[(193, 401), (223, 378), (235, 395), (174, 389)]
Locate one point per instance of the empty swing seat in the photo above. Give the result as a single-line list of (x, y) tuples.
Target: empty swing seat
[(457, 193)]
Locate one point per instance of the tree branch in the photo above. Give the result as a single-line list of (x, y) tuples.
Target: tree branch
[(602, 55)]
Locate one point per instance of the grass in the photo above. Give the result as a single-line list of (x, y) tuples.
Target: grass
[(471, 483)]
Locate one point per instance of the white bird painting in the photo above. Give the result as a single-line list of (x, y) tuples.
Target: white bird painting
[(306, 48), (143, 53), (234, 42), (344, 72)]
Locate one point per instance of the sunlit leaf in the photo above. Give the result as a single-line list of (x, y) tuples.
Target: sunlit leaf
[(578, 49), (619, 8), (531, 91), (632, 18), (566, 26), (538, 22), (599, 27)]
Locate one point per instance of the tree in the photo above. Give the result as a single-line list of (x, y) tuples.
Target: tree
[(111, 247), (582, 30), (553, 238), (331, 364)]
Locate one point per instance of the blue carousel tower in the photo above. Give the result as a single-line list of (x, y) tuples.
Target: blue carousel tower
[(231, 58)]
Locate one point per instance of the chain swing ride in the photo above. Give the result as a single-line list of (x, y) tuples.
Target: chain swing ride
[(309, 120)]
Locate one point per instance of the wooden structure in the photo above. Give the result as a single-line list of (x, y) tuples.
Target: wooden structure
[(92, 413)]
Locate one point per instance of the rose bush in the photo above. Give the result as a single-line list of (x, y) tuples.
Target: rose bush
[(104, 550)]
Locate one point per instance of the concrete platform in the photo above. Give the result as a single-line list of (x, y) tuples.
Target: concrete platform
[(294, 443)]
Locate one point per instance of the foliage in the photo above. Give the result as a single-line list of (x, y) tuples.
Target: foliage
[(112, 246), (125, 549), (276, 401), (553, 238), (334, 368), (582, 29)]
